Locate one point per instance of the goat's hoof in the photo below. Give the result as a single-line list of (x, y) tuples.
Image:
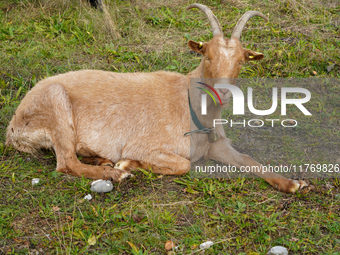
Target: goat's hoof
[(107, 163), (123, 164), (306, 189), (297, 185), (124, 176), (128, 164)]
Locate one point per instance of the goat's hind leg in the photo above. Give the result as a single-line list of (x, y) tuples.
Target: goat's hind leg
[(64, 139), (50, 110)]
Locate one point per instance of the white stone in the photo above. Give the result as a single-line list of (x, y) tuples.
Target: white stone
[(88, 197), (206, 245), (101, 186), (35, 181), (278, 250)]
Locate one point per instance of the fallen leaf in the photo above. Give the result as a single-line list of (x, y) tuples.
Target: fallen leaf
[(92, 240), (169, 245), (291, 122), (55, 208), (18, 240), (136, 218), (134, 248), (329, 186), (293, 239), (69, 218), (314, 72), (193, 247)]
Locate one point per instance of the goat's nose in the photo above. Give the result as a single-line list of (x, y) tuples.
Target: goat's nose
[(224, 91)]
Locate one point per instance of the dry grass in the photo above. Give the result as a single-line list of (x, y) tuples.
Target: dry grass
[(42, 38)]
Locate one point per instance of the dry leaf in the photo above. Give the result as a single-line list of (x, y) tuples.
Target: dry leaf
[(193, 247), (314, 72), (294, 239), (92, 240), (291, 122), (169, 245), (329, 186), (18, 240), (136, 218), (55, 208), (134, 248)]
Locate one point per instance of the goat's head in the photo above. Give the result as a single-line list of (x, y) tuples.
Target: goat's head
[(223, 58)]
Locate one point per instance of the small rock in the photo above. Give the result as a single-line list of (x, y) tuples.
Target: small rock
[(169, 245), (35, 181), (206, 245), (101, 186), (278, 250), (88, 197)]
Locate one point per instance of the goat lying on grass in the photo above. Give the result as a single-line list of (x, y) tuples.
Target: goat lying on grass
[(104, 117)]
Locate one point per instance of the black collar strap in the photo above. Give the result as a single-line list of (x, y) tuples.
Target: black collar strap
[(196, 121)]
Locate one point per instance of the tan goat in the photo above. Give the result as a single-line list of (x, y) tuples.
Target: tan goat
[(107, 117)]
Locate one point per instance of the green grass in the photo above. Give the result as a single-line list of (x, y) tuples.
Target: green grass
[(243, 216)]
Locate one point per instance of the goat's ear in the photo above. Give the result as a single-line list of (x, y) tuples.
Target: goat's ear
[(198, 47), (252, 55)]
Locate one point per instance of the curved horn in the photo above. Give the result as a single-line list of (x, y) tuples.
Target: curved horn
[(243, 20), (215, 25)]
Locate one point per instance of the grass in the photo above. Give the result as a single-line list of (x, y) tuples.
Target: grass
[(242, 216)]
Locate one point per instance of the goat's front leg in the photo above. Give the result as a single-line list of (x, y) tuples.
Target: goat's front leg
[(222, 151)]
